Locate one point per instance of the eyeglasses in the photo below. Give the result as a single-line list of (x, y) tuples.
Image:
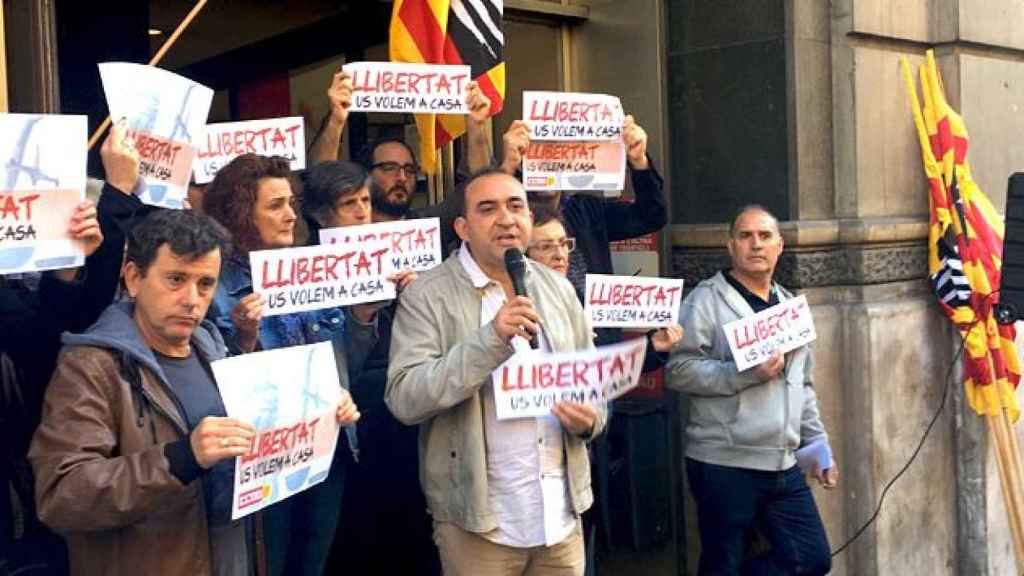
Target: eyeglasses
[(392, 168), (550, 246)]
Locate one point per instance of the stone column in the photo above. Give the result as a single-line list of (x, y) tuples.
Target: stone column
[(800, 106)]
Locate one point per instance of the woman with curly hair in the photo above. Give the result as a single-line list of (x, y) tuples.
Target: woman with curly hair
[(252, 196)]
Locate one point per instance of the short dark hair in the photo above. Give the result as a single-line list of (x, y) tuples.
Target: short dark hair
[(366, 156), (325, 183), (458, 198), (750, 208), (187, 234), (231, 197), (543, 213)]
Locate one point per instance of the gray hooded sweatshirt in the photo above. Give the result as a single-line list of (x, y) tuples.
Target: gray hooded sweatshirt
[(735, 419)]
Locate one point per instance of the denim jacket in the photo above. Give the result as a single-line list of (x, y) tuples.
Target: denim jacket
[(281, 331)]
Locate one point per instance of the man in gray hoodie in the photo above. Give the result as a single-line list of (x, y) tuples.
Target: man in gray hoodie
[(744, 427)]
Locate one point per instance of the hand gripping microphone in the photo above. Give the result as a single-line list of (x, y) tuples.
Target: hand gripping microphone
[(515, 265)]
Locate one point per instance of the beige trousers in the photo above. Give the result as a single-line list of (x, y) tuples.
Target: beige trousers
[(468, 554)]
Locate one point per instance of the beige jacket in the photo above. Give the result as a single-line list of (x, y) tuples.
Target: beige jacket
[(440, 358)]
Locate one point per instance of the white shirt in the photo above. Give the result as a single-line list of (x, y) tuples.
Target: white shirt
[(526, 477)]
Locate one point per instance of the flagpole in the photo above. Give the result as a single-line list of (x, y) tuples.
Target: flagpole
[(154, 61), (997, 426), (450, 169), (1016, 468), (1014, 452), (995, 410), (1008, 463)]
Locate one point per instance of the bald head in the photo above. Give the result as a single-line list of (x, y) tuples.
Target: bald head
[(754, 245), (752, 208)]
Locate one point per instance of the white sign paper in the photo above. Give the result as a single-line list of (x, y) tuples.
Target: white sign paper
[(290, 396), (786, 326), (42, 166), (324, 276), (529, 383), (409, 88), (412, 244), (166, 114), (632, 301), (222, 143), (572, 116), (575, 166)]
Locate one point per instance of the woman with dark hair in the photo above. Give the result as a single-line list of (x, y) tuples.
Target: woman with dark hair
[(252, 197), (335, 194)]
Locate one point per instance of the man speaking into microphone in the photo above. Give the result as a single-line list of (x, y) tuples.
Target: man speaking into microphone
[(505, 495)]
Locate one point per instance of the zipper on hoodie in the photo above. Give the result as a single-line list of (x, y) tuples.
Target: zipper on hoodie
[(131, 371), (785, 413)]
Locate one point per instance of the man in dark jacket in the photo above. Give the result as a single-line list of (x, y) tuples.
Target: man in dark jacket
[(594, 223), (383, 486), (33, 320), (385, 496), (32, 323), (134, 455)]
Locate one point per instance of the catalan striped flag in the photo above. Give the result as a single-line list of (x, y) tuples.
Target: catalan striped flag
[(965, 244), (450, 32)]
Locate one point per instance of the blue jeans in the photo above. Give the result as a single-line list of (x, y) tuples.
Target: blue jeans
[(732, 502)]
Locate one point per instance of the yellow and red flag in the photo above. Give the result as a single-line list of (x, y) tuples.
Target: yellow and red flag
[(450, 32), (965, 245)]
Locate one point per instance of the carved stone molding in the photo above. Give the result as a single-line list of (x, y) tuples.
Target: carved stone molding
[(811, 268)]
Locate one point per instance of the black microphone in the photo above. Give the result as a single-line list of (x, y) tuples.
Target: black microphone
[(515, 265)]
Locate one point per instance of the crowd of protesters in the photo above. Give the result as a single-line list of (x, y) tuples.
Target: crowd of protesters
[(119, 453)]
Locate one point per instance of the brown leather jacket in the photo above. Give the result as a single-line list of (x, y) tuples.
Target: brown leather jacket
[(102, 478)]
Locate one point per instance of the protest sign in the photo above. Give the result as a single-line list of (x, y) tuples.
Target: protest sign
[(572, 116), (290, 396), (43, 160), (581, 166), (165, 115), (531, 381), (324, 276), (412, 244), (786, 326), (408, 88), (221, 143), (637, 256), (632, 301)]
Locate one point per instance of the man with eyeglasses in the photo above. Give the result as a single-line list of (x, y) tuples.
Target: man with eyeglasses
[(393, 173), (388, 503)]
